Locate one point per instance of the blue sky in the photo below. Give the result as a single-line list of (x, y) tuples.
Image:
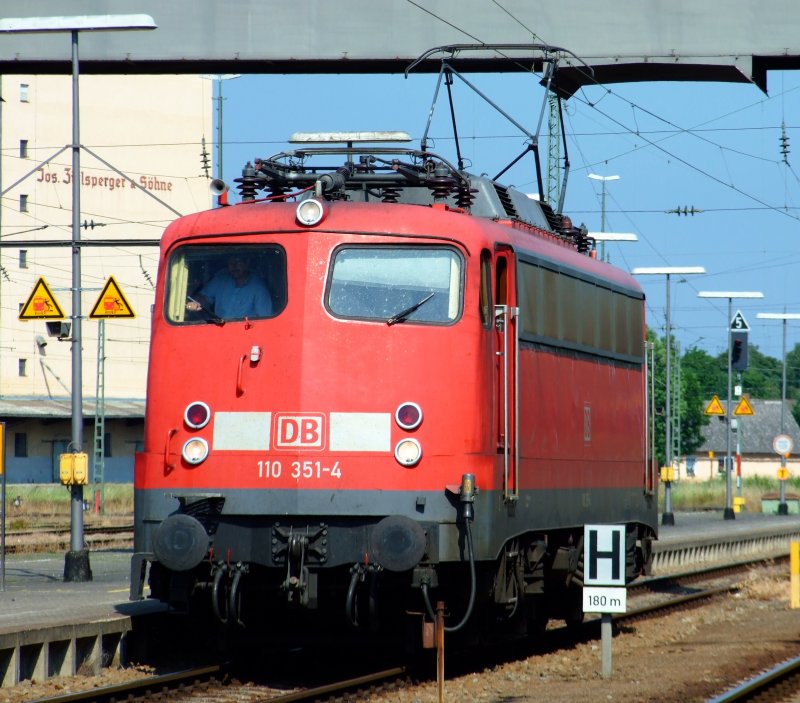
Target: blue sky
[(713, 146)]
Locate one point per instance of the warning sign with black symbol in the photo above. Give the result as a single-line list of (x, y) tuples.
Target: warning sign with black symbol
[(41, 305), (111, 303)]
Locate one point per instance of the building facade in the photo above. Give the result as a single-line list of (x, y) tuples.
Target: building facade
[(141, 166)]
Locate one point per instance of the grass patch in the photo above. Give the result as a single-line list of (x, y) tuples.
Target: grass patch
[(692, 494), (28, 505)]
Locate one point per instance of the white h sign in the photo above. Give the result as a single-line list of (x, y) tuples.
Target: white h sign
[(604, 555)]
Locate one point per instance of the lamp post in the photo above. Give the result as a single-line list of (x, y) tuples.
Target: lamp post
[(668, 517), (730, 295), (603, 180), (783, 508), (219, 78), (76, 563)]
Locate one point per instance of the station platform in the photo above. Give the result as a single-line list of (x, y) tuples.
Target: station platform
[(706, 537), (49, 627)]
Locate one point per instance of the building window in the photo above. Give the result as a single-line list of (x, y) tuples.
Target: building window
[(23, 148), (107, 444), (23, 202), (23, 92), (20, 444), (23, 367), (23, 258)]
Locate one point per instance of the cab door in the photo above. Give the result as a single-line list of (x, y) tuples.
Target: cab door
[(506, 323)]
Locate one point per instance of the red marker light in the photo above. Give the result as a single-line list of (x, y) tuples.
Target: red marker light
[(408, 416), (197, 415)]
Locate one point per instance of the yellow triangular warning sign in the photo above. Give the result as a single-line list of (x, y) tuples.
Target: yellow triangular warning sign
[(111, 303), (42, 304), (744, 408), (715, 407)]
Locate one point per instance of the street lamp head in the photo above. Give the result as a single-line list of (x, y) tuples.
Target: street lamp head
[(595, 177), (730, 294), (220, 76), (77, 23), (614, 236), (779, 315), (666, 270)]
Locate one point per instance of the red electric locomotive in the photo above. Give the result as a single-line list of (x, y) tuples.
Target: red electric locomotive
[(387, 383)]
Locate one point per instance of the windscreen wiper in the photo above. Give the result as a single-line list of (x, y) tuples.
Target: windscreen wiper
[(211, 316), (403, 314)]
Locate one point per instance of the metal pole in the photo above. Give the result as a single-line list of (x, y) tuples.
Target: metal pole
[(76, 564), (3, 505), (603, 220), (728, 513), (783, 508), (739, 429), (440, 650), (219, 128), (606, 635), (668, 518)]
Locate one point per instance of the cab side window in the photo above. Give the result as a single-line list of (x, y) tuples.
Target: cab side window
[(225, 283)]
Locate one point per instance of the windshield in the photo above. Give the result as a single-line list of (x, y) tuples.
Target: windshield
[(217, 284), (396, 284)]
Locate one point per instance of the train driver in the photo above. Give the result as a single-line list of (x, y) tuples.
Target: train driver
[(233, 293)]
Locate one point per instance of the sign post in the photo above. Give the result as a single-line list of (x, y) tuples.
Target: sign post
[(604, 580), (782, 445), (3, 506), (737, 324)]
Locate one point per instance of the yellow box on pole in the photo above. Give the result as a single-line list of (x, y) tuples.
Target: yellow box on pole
[(73, 469), (65, 469), (667, 474), (738, 504), (794, 568), (80, 469), (783, 473)]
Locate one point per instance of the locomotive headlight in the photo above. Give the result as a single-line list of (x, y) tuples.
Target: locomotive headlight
[(195, 450), (310, 212), (408, 416), (408, 452), (197, 414)]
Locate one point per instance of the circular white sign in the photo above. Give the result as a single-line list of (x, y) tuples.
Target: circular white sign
[(782, 444)]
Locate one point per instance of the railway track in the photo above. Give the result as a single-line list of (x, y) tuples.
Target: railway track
[(58, 538), (209, 683), (214, 684), (781, 683)]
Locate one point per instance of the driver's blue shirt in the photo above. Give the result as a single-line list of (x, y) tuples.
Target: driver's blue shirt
[(230, 301)]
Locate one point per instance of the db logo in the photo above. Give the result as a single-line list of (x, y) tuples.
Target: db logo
[(305, 431)]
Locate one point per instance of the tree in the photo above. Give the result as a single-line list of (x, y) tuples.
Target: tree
[(688, 394), (793, 380), (699, 373)]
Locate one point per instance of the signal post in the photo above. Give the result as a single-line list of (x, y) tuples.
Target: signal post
[(737, 324)]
